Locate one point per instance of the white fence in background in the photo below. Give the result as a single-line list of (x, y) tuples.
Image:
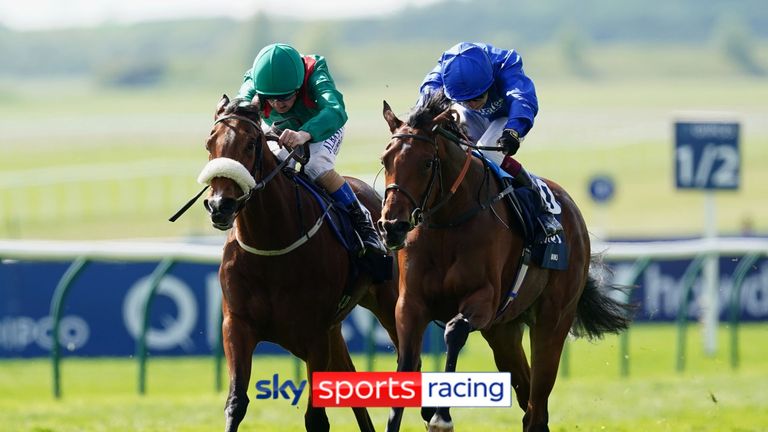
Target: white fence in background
[(75, 192), (42, 250), (96, 192)]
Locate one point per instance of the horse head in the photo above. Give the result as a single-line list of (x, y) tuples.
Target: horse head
[(235, 148), (412, 168)]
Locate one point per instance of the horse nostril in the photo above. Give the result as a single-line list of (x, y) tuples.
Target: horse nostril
[(227, 205), (220, 206), (401, 226), (385, 227), (392, 227)]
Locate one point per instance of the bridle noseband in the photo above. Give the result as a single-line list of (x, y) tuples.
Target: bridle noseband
[(418, 214), (260, 184), (242, 199), (247, 190)]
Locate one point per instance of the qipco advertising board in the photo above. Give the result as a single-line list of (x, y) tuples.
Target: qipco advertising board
[(103, 311)]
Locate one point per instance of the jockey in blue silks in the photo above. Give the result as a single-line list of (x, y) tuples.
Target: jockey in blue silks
[(496, 102)]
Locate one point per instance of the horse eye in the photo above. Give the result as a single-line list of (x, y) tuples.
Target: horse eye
[(428, 164)]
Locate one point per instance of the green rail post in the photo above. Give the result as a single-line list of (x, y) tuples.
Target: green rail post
[(689, 278), (57, 305), (434, 341), (141, 345), (739, 274), (218, 353), (565, 360), (638, 268), (297, 368), (370, 344)]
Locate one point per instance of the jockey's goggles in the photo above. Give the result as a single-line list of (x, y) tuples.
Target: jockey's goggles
[(474, 99), (278, 98)]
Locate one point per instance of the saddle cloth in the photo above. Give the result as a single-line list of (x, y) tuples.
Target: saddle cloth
[(338, 219), (547, 252)]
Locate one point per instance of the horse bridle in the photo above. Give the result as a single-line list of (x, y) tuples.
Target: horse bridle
[(240, 201), (265, 179), (420, 213)]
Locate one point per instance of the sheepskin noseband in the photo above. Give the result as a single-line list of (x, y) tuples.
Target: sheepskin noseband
[(229, 168)]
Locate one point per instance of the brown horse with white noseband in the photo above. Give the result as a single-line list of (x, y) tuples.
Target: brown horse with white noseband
[(283, 274)]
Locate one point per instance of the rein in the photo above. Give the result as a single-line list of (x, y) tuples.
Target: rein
[(260, 185), (266, 179), (461, 141), (250, 188), (247, 194)]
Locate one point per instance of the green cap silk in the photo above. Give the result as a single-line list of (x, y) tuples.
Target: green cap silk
[(277, 69)]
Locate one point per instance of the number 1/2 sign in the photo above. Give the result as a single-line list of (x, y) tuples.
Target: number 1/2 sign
[(707, 155)]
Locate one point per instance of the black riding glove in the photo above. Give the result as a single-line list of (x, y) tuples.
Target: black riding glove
[(509, 141)]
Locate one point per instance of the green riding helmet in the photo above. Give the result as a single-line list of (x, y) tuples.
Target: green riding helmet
[(277, 70)]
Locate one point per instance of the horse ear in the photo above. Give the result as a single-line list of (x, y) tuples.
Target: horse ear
[(221, 106), (391, 118)]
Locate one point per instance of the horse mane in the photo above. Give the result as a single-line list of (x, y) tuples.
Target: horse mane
[(435, 103), (243, 107)]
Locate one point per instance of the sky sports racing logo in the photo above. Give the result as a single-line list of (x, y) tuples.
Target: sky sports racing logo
[(394, 389), (411, 389)]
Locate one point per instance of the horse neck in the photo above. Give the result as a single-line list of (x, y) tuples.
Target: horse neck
[(452, 162)]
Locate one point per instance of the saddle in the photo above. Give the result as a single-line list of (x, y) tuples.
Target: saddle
[(546, 252), (338, 219)]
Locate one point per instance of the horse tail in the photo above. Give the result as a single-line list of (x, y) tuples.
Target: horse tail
[(601, 308)]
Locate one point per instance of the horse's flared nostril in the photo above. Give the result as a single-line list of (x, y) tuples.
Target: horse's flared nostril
[(393, 227), (402, 226), (393, 232), (218, 205), (385, 227), (380, 227)]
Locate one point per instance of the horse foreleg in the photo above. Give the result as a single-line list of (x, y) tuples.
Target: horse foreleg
[(547, 340), (342, 362), (318, 360), (239, 343), (381, 300), (506, 341), (456, 333), (474, 312), (412, 320)]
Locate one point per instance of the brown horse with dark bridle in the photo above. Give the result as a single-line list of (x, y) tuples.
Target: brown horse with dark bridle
[(459, 259), (283, 274)]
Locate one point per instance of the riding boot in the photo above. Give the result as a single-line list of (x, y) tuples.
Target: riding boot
[(363, 224), (547, 220)]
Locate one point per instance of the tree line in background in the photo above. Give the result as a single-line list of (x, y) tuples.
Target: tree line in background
[(208, 50)]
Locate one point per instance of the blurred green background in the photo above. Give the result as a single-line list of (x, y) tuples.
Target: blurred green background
[(102, 128)]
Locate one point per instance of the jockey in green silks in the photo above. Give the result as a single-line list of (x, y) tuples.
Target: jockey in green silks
[(287, 87)]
